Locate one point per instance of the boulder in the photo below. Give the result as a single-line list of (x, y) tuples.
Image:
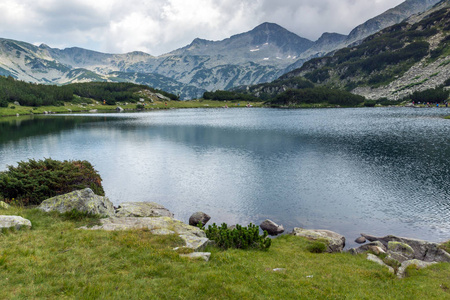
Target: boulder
[(142, 209), (379, 261), (417, 263), (422, 250), (119, 109), (4, 205), (361, 240), (271, 227), (197, 255), (81, 200), (15, 222), (400, 251), (193, 237), (336, 242), (374, 247), (199, 218)]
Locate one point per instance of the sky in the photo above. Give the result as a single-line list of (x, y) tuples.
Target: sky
[(160, 26)]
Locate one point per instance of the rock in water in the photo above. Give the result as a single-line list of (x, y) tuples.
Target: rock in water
[(81, 200), (271, 227), (142, 209), (360, 240), (15, 222), (336, 242), (199, 218)]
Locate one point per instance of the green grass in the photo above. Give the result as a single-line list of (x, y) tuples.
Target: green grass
[(54, 260), (69, 107)]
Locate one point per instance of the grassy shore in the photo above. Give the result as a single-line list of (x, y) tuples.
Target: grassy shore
[(55, 260), (13, 110)]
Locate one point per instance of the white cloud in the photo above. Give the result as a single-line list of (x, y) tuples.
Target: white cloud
[(159, 26)]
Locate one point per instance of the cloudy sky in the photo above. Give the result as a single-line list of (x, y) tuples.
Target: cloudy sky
[(159, 26)]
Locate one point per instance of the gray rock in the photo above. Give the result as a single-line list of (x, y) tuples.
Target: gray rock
[(336, 242), (93, 110), (377, 260), (81, 200), (375, 247), (193, 237), (400, 251), (271, 227), (361, 240), (142, 209), (199, 218), (119, 109), (16, 103), (15, 222), (197, 255), (423, 250), (418, 263), (4, 205)]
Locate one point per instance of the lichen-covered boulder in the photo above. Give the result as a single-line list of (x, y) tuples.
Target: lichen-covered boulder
[(81, 200), (4, 205), (335, 241), (199, 218), (271, 227), (414, 262), (15, 222), (142, 209)]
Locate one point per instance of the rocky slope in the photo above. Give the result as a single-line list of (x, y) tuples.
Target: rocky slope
[(260, 55), (393, 63)]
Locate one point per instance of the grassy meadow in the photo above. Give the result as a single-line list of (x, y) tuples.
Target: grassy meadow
[(13, 110), (55, 260)]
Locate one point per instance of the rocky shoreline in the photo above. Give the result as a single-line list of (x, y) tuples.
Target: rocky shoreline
[(396, 253)]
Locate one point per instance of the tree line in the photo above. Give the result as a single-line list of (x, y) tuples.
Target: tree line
[(31, 94)]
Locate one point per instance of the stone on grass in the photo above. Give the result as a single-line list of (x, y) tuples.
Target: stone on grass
[(4, 205), (414, 262), (378, 260), (271, 227), (119, 109), (335, 241), (81, 200), (16, 222), (142, 209), (197, 255), (199, 218)]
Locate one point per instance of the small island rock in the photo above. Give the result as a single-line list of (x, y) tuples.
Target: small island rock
[(199, 218), (361, 240), (271, 227)]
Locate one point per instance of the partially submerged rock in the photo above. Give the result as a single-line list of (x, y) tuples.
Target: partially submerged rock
[(361, 240), (415, 249), (335, 241), (271, 227), (142, 209), (81, 200), (199, 218), (16, 222)]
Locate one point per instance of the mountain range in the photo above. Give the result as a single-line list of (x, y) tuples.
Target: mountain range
[(260, 55)]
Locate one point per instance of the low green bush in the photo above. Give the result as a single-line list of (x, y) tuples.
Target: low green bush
[(317, 247), (34, 181), (240, 237)]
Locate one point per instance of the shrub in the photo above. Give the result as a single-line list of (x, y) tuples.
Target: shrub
[(34, 181), (370, 103), (317, 247), (239, 237), (3, 103)]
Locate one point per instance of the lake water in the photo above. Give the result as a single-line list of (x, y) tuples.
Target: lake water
[(374, 170)]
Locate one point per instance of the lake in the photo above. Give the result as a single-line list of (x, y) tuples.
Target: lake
[(374, 170)]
